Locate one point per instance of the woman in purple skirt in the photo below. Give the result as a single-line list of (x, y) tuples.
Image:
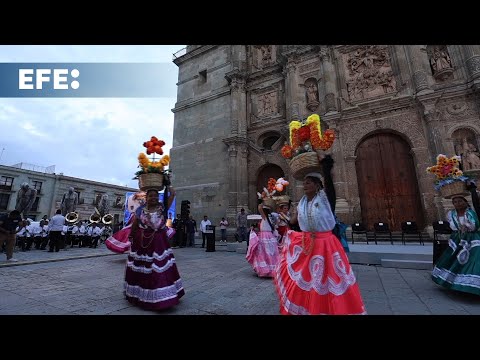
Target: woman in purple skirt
[(152, 280)]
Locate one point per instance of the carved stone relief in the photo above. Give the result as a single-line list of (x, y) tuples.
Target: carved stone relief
[(267, 104), (458, 110), (263, 56), (368, 72)]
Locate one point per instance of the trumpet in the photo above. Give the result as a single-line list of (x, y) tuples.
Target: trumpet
[(72, 217), (107, 219)]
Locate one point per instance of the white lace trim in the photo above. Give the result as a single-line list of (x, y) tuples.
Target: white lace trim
[(154, 295), (155, 267), (457, 279), (118, 243), (147, 258)]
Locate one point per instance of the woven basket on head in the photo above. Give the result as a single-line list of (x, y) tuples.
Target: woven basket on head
[(150, 181), (270, 203), (303, 164), (457, 188)]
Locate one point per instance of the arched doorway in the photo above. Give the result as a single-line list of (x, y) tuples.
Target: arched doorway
[(387, 182), (269, 171)]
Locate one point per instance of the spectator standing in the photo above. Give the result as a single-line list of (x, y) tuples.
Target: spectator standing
[(242, 225), (223, 230), (203, 228)]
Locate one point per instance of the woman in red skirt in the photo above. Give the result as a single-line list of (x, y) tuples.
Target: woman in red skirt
[(314, 275)]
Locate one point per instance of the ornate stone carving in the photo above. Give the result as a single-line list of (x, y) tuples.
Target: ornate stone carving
[(237, 84), (330, 102), (369, 72), (406, 124), (232, 150), (267, 104), (265, 55), (457, 109), (440, 62)]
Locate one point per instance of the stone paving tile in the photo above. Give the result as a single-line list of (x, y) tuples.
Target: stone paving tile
[(218, 283)]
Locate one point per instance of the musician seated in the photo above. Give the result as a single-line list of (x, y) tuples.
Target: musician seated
[(94, 233)]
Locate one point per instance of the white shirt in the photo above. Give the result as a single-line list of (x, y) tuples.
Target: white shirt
[(315, 215), (203, 225)]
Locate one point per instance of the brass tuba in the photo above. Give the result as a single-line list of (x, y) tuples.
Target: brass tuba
[(95, 217), (72, 217), (107, 219)]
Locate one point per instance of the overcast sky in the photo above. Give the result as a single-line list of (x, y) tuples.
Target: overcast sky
[(91, 138)]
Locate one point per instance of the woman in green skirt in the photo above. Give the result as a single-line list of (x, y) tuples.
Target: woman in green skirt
[(459, 266)]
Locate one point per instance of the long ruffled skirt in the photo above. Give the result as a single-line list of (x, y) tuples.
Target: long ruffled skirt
[(458, 268), (119, 242), (263, 253), (152, 280), (314, 277)]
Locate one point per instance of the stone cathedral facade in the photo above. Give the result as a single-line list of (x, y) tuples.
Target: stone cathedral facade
[(393, 109)]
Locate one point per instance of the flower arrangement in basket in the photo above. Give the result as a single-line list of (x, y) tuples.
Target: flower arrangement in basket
[(273, 186), (305, 139), (450, 180), (152, 171)]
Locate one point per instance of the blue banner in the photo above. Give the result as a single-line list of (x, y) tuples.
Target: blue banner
[(91, 80), (136, 199)]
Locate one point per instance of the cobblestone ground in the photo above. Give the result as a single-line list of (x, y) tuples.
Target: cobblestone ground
[(220, 282)]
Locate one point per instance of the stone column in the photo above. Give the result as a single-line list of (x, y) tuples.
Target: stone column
[(292, 103), (341, 207), (418, 69), (329, 80), (472, 54), (352, 194), (433, 128), (238, 100), (425, 184), (232, 183), (242, 176)]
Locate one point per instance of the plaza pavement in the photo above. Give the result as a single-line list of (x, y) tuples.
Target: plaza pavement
[(90, 282)]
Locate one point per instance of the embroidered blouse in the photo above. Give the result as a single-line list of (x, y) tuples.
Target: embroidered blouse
[(154, 220), (469, 220), (315, 215)]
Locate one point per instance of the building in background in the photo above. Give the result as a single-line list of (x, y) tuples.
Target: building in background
[(51, 187), (393, 109)]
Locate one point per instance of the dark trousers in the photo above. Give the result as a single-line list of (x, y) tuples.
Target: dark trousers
[(204, 237), (55, 240), (191, 239), (38, 241)]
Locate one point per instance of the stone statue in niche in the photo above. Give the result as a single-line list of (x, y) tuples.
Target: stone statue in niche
[(470, 155), (312, 94), (440, 62)]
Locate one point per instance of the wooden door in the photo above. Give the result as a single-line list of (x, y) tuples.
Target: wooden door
[(387, 182)]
